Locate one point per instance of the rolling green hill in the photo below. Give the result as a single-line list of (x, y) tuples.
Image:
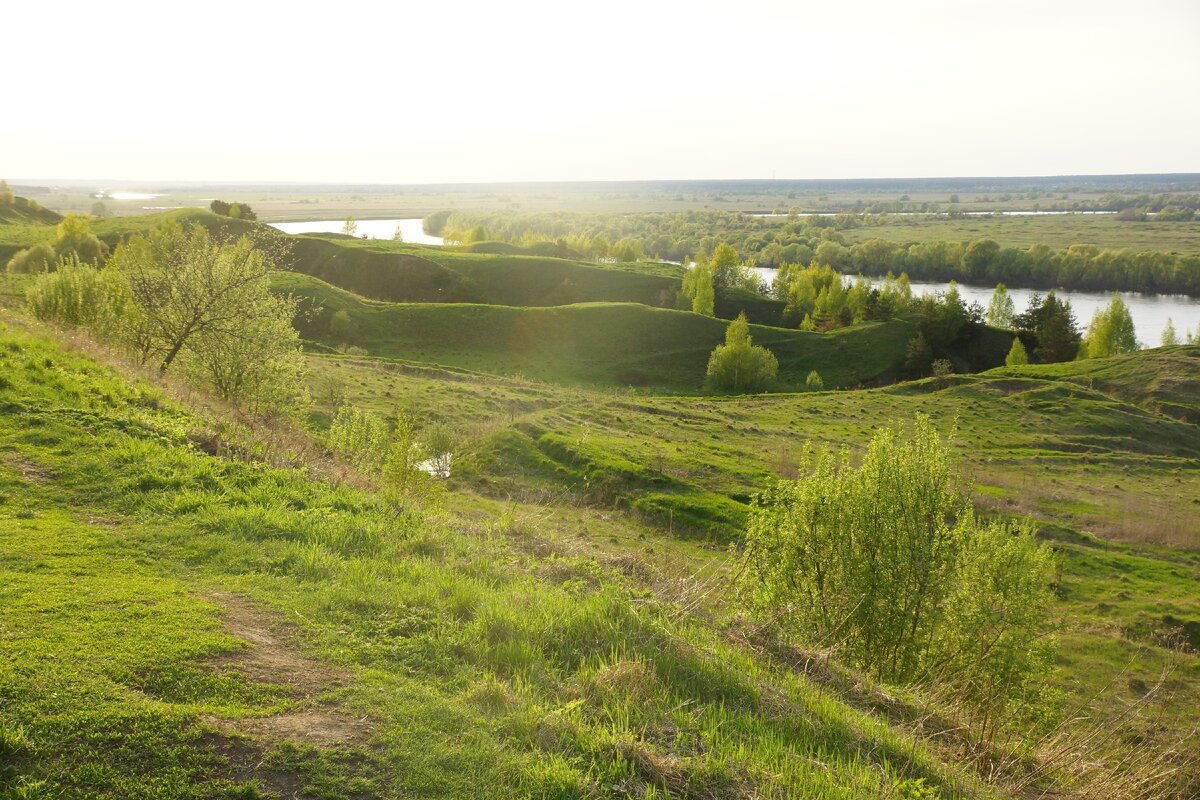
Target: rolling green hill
[(413, 274), (183, 625), (22, 212), (1112, 481), (598, 344)]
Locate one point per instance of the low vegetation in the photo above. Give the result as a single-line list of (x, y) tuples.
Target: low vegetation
[(559, 541)]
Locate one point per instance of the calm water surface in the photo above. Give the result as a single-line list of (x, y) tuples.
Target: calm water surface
[(1149, 311)]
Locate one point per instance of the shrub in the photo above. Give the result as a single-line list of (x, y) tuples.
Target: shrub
[(75, 238), (38, 258), (1016, 354), (77, 294), (813, 382), (887, 562), (360, 436), (738, 365)]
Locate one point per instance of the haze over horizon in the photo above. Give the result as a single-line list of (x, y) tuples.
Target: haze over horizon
[(525, 92)]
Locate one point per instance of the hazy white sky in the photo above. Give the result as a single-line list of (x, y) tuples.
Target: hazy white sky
[(407, 92)]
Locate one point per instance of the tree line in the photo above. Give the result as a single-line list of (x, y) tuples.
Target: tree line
[(771, 242)]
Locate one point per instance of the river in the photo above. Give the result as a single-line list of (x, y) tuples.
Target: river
[(1149, 311), (410, 229)]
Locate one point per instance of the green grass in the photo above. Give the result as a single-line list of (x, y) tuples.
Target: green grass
[(1109, 473), (595, 344), (1103, 231), (412, 273), (463, 661)]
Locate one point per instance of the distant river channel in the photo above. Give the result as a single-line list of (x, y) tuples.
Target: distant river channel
[(410, 229), (1149, 311)]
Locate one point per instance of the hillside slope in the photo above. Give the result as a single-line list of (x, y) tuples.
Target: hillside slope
[(597, 344), (183, 625), (23, 211)]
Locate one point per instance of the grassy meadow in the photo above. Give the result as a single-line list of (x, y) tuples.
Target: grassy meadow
[(1059, 231), (200, 603)]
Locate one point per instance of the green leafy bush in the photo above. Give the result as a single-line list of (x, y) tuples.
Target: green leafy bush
[(738, 365), (886, 563)]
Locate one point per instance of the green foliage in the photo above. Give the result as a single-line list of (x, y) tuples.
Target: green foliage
[(349, 227), (928, 249), (360, 436), (210, 303), (739, 366), (233, 210), (75, 239), (887, 563), (341, 326), (1051, 324), (77, 294), (701, 288), (1110, 332), (818, 292), (1169, 336), (594, 344), (1016, 355), (6, 194), (38, 258), (99, 209), (1001, 313), (214, 599), (918, 357), (813, 382)]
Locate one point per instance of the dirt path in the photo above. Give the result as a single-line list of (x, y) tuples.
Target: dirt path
[(274, 657)]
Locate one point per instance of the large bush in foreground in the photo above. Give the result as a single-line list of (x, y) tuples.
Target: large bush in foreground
[(886, 563)]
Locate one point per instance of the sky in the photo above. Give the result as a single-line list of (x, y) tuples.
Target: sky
[(433, 92)]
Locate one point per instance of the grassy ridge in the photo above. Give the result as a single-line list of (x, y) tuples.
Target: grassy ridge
[(414, 274), (144, 649), (1108, 473), (1037, 441), (598, 344)]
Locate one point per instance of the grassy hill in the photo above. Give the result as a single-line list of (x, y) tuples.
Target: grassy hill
[(598, 344), (408, 273), (23, 212), (184, 625), (664, 482)]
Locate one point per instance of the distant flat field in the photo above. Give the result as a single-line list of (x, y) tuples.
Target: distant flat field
[(280, 204), (1055, 231)]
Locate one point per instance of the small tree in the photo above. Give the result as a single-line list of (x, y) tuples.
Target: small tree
[(398, 235), (813, 382), (738, 365), (703, 294), (75, 238), (1016, 354), (349, 227), (1169, 336), (99, 209), (1110, 332), (6, 194), (189, 292), (1001, 311), (918, 357)]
